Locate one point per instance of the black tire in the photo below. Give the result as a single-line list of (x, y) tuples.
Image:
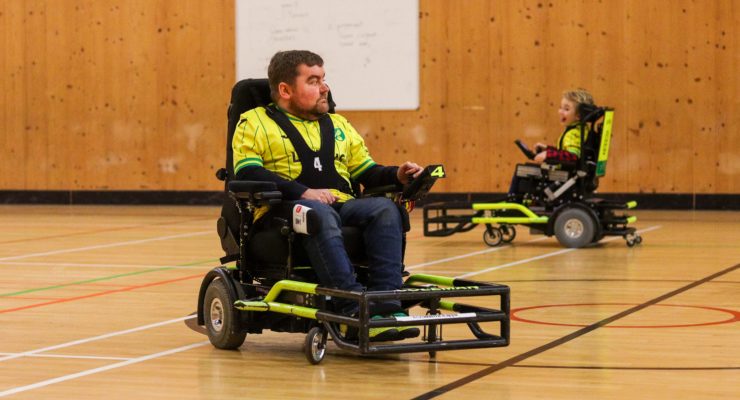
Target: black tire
[(315, 345), (597, 238), (221, 317), (508, 233), (492, 237), (574, 228)]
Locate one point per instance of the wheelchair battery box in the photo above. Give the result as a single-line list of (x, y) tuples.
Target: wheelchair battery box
[(528, 171), (558, 175)]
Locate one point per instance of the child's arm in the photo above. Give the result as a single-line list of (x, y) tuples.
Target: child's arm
[(555, 156)]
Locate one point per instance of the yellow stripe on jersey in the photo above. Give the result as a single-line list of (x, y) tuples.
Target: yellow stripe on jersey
[(259, 141)]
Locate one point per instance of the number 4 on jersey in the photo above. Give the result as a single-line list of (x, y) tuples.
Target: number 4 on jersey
[(317, 163)]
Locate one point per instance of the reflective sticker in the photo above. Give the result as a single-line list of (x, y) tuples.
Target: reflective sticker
[(300, 220), (431, 317)]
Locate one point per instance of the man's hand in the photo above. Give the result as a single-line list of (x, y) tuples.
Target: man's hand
[(540, 157), (323, 195), (540, 147), (408, 169)]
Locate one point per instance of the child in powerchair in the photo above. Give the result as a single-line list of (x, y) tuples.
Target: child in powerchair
[(574, 106)]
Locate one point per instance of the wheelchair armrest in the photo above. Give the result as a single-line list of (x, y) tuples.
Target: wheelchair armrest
[(258, 192), (382, 190)]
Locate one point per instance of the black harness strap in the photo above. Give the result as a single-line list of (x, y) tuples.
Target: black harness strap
[(317, 167)]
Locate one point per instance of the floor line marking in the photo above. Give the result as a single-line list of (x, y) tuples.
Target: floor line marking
[(70, 356), (108, 229), (97, 294), (472, 254), (92, 371), (96, 265), (542, 256), (99, 279), (104, 246), (95, 338)]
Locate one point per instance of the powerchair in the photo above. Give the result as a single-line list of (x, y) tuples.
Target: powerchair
[(552, 200), (271, 286)]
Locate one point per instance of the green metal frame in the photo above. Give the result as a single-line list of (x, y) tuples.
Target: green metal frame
[(269, 303), (529, 216)]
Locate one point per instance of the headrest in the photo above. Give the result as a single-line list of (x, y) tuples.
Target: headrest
[(589, 112)]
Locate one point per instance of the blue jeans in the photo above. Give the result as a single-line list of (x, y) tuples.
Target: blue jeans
[(380, 221)]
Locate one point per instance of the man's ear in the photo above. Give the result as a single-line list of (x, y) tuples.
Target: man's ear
[(284, 90)]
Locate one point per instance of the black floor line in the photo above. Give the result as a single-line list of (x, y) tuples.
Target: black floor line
[(565, 339), (595, 367)]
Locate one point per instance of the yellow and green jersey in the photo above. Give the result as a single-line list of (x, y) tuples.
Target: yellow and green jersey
[(259, 141), (570, 140)]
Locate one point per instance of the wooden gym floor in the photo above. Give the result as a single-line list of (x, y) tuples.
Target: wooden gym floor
[(97, 302)]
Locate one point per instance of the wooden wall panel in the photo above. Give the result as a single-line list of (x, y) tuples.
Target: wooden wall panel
[(131, 94)]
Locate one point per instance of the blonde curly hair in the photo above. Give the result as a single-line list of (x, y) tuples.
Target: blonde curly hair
[(579, 96)]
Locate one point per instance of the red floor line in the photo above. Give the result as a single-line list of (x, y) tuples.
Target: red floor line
[(98, 294), (101, 230)]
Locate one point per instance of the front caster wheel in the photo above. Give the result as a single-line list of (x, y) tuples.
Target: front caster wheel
[(315, 345), (492, 236), (633, 239), (508, 233)]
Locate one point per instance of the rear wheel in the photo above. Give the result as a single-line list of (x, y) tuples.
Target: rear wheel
[(574, 228), (221, 317)]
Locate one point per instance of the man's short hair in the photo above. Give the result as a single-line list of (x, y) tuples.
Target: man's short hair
[(284, 67)]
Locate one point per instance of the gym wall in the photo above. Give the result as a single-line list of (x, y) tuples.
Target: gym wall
[(132, 95)]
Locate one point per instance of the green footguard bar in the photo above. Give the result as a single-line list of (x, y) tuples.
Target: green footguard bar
[(529, 218), (269, 303), (438, 280)]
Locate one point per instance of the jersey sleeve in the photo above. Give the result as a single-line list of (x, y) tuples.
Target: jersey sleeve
[(358, 157), (248, 143)]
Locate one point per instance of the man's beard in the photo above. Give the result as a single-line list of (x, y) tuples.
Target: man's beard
[(312, 113)]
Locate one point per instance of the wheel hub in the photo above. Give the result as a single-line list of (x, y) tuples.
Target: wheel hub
[(217, 315), (317, 348), (573, 228)]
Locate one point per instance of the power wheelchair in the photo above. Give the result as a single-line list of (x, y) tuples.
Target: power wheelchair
[(550, 200), (272, 286)]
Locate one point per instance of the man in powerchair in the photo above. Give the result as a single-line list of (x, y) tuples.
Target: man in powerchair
[(314, 157)]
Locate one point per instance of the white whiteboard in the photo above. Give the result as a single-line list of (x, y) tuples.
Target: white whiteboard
[(370, 47)]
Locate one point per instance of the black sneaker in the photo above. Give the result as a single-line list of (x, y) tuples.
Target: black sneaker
[(407, 332), (385, 333), (381, 334)]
